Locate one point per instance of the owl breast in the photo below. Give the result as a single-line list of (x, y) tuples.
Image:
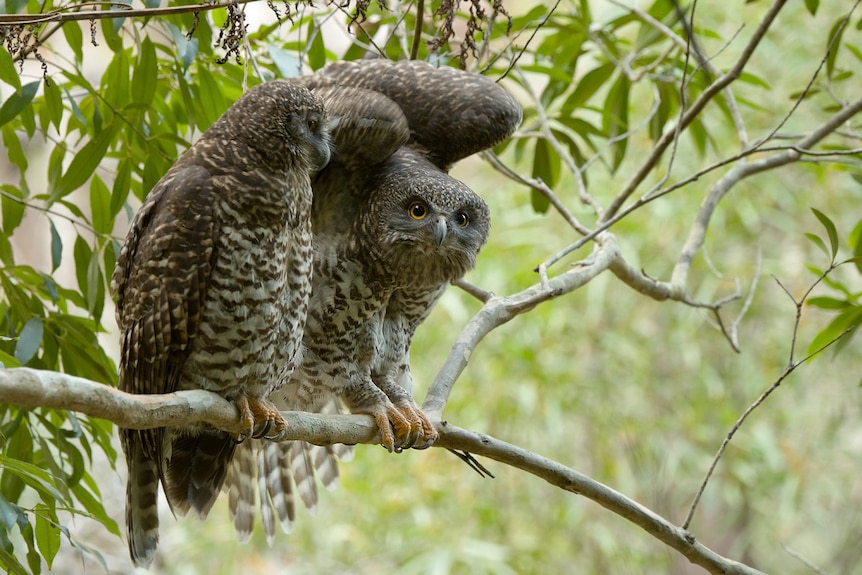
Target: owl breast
[(255, 312)]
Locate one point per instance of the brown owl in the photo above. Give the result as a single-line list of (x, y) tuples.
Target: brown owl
[(212, 288), (391, 230)]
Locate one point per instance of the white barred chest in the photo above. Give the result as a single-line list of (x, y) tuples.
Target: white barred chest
[(254, 315)]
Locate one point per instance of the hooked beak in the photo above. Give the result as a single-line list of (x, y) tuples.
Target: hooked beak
[(440, 229)]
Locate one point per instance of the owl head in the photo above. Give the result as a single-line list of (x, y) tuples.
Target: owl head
[(283, 122), (423, 227)]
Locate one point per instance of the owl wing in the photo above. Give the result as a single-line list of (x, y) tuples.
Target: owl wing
[(160, 281), (451, 113), (366, 128), (160, 284)]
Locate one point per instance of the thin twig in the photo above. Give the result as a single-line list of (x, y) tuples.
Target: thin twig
[(537, 185), (789, 368), (474, 290), (417, 31), (694, 110), (122, 11), (802, 559), (517, 57)]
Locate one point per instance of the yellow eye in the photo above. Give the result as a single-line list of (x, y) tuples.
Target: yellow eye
[(462, 219), (312, 125), (418, 211)]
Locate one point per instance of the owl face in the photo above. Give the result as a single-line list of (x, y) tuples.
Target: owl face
[(431, 224), (284, 122)]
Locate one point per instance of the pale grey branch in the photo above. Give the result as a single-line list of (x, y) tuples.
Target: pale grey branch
[(740, 171), (35, 388), (500, 309)]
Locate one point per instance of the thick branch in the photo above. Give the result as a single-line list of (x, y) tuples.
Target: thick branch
[(34, 388)]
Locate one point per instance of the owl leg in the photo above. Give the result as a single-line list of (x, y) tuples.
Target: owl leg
[(260, 418)]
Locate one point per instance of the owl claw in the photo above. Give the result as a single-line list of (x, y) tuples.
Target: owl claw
[(262, 429), (259, 419), (420, 433)]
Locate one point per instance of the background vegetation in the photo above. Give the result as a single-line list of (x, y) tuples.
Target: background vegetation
[(633, 392)]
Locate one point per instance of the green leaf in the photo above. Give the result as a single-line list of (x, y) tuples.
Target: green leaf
[(33, 476), (539, 202), (14, 151), (7, 361), (615, 118), (824, 302), (47, 534), (831, 231), (95, 508), (833, 43), (587, 86), (96, 295), (121, 188), (546, 163), (29, 340), (75, 39), (82, 262), (846, 320), (116, 85), (145, 75), (316, 51), (34, 561), (54, 104), (83, 165), (812, 5), (818, 242), (210, 100), (56, 247), (855, 241), (10, 562), (16, 103), (8, 71), (12, 209), (100, 206)]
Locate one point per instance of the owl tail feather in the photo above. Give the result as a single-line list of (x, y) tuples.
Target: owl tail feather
[(240, 487), (197, 470), (142, 513)]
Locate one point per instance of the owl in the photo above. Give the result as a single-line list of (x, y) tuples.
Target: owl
[(391, 230), (212, 288)]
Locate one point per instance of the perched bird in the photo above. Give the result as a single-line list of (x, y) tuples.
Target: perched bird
[(212, 288), (391, 230)]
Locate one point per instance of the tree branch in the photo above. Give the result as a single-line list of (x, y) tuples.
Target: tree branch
[(34, 388), (696, 107), (742, 170), (570, 480), (500, 309), (121, 11)]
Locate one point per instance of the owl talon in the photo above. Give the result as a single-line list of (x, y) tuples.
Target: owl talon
[(278, 434), (387, 438), (259, 419), (420, 433), (262, 429)]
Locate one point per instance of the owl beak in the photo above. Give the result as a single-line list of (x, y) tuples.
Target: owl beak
[(440, 230)]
